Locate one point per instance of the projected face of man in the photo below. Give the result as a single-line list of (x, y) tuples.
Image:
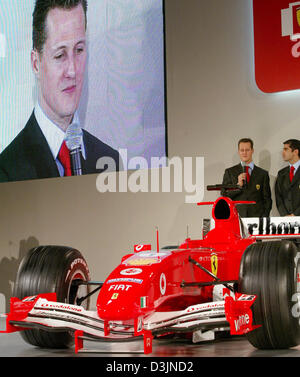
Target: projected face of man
[(60, 66)]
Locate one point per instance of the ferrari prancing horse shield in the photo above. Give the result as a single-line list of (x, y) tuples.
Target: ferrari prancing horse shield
[(214, 264)]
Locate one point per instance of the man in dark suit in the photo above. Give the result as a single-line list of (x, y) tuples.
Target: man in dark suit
[(29, 155), (253, 183), (58, 60), (287, 186)]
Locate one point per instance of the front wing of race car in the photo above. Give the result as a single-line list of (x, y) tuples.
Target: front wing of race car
[(44, 312)]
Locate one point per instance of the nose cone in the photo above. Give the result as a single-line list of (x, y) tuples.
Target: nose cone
[(112, 310), (133, 288), (119, 302)]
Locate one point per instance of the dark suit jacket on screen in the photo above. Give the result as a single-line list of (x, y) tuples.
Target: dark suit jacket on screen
[(288, 193), (258, 190), (28, 156)]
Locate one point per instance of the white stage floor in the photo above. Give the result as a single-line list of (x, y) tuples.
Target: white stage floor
[(12, 345)]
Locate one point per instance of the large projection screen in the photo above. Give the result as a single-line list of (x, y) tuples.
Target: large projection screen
[(123, 97)]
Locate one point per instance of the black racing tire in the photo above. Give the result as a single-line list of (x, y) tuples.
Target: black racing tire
[(47, 269), (270, 270)]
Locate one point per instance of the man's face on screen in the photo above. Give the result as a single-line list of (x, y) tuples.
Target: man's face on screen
[(60, 66)]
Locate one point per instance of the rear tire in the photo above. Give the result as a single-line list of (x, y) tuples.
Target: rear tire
[(271, 270), (47, 269)]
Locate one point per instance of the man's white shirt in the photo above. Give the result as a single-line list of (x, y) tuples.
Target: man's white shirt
[(54, 134)]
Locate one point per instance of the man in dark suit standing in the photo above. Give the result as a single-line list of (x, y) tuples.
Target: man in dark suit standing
[(58, 60), (287, 186), (253, 183)]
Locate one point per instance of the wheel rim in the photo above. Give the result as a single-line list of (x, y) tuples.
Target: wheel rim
[(77, 290)]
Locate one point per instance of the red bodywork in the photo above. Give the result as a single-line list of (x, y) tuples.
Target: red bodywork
[(158, 276), (150, 283)]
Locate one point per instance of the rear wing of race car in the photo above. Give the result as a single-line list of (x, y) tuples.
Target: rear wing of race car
[(264, 228), (273, 227), (261, 228)]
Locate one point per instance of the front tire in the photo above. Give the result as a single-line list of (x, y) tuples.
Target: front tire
[(47, 269), (271, 270)]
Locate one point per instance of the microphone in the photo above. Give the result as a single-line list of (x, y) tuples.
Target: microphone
[(244, 171), (73, 141)]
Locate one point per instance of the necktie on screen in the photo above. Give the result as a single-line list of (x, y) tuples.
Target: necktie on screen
[(292, 169), (247, 173), (64, 158)]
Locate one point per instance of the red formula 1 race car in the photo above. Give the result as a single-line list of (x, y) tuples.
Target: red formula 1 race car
[(230, 280)]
